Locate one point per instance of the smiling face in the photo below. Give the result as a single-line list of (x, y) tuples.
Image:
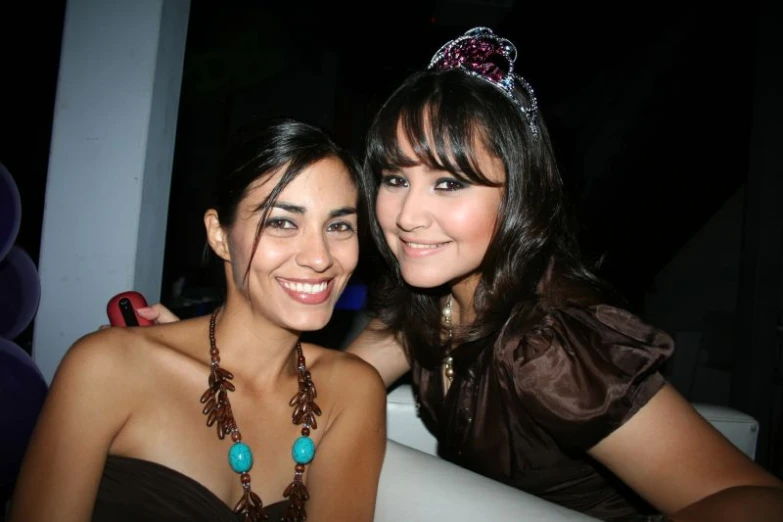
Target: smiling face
[(306, 252), (437, 225)]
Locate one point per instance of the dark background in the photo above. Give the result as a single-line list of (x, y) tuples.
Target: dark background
[(649, 105)]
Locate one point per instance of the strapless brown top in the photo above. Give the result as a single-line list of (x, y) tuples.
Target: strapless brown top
[(136, 490)]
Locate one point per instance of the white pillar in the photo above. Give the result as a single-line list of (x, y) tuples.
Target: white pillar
[(112, 146)]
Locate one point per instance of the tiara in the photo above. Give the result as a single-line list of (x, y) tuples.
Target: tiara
[(476, 52)]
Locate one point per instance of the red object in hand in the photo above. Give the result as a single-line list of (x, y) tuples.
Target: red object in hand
[(121, 310)]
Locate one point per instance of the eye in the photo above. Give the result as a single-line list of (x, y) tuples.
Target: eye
[(393, 180), (279, 223), (342, 228), (450, 184)]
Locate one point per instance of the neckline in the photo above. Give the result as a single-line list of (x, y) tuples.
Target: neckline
[(195, 483)]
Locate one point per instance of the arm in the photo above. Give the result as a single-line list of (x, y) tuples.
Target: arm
[(343, 477), (382, 350), (676, 460), (86, 406)]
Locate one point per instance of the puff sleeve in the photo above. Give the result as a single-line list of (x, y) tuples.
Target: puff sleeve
[(583, 372)]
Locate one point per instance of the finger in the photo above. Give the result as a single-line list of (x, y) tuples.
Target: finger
[(148, 312), (157, 313), (164, 314)]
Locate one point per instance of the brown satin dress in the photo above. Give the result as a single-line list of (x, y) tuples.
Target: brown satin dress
[(135, 490), (525, 413)]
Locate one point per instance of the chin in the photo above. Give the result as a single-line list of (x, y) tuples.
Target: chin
[(424, 279), (309, 323)]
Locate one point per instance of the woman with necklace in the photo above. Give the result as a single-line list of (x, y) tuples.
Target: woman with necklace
[(228, 417)]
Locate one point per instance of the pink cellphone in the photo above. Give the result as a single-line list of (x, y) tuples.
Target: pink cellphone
[(121, 310)]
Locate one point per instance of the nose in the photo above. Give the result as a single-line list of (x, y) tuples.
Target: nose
[(314, 252), (413, 212)]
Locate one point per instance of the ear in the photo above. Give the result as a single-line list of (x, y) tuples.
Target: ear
[(217, 237)]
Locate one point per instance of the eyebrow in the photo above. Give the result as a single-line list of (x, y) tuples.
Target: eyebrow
[(428, 170), (296, 209), (345, 211)]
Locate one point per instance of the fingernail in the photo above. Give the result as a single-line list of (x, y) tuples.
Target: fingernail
[(145, 310)]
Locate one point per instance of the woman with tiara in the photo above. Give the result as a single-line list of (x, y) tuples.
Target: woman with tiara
[(525, 365)]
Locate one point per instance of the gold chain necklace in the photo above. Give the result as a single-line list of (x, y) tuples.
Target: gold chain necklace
[(218, 410)]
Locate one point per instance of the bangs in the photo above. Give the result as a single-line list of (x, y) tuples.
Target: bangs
[(443, 140)]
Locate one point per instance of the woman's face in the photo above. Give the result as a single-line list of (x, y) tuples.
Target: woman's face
[(437, 226), (307, 251)]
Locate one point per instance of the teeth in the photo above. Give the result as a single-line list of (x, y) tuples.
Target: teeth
[(304, 288), (419, 245)]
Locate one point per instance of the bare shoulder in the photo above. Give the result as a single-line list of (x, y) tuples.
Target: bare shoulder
[(106, 353), (345, 374), (101, 385), (119, 355), (351, 449)]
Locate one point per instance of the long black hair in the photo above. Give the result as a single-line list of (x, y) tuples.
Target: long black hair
[(444, 115)]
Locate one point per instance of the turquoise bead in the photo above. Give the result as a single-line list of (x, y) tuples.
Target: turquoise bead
[(240, 458), (303, 450)]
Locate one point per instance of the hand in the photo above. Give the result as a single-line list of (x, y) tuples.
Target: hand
[(157, 312)]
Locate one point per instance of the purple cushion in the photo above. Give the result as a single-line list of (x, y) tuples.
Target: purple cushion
[(20, 292), (10, 211)]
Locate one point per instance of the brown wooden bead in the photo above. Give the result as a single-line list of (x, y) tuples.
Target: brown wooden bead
[(219, 412)]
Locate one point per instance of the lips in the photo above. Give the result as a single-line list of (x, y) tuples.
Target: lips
[(307, 291), (421, 249)]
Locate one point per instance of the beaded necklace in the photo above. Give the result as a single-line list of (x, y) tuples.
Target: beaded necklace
[(447, 365), (218, 411)]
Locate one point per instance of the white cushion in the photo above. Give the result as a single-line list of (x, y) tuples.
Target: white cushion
[(416, 486), (740, 428), (403, 423)]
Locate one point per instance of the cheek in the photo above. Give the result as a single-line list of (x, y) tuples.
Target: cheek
[(239, 249), (269, 253), (347, 252), (475, 223), (386, 210)]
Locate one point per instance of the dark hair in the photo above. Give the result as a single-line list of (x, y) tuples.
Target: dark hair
[(444, 115), (261, 150)]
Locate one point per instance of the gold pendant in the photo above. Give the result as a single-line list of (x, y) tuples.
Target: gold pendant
[(448, 368)]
